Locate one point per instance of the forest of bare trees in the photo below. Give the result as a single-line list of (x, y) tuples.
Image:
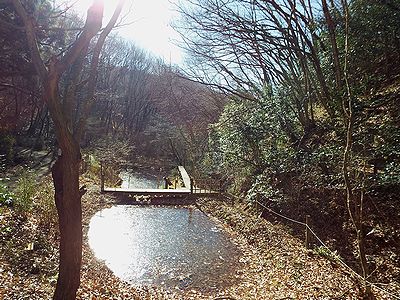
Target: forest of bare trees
[(314, 104), (292, 104), (66, 82)]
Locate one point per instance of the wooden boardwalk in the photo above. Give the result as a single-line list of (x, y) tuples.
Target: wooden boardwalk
[(185, 177), (187, 190), (160, 192), (149, 191)]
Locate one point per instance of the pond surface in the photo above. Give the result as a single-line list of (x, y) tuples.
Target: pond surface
[(167, 246), (131, 179)]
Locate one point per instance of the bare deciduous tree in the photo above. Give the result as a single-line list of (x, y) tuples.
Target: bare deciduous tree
[(66, 169)]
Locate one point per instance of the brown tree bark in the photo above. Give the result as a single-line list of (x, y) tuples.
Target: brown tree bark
[(65, 171), (354, 203), (67, 196), (68, 201)]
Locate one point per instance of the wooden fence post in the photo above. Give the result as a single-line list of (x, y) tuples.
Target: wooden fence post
[(308, 233), (165, 182), (257, 202), (101, 177)]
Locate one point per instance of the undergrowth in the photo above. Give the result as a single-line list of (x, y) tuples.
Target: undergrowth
[(25, 191)]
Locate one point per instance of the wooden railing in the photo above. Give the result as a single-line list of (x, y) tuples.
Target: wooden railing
[(190, 185), (205, 185)]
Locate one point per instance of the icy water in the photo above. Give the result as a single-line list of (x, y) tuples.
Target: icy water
[(139, 180), (173, 247)]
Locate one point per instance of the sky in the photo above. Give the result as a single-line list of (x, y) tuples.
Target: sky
[(148, 25)]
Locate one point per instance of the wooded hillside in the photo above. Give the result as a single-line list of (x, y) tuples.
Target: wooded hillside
[(293, 105), (312, 126)]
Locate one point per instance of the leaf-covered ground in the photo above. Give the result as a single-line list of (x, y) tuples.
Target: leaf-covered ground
[(276, 265)]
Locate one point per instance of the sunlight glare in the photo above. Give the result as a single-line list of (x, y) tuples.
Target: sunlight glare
[(116, 245), (147, 25)]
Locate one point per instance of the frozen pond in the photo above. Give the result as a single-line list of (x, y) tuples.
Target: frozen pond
[(166, 246), (138, 180)]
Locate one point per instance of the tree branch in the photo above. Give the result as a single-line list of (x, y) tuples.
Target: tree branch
[(92, 26), (93, 69), (31, 39)]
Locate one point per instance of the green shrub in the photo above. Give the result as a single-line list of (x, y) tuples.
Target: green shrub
[(90, 166), (7, 143), (25, 191), (6, 196), (390, 175), (44, 203), (3, 163), (325, 252)]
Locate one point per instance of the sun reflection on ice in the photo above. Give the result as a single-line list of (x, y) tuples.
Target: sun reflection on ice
[(175, 247), (110, 235)]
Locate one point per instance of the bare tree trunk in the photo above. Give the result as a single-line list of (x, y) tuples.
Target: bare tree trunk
[(354, 202), (354, 205), (68, 201), (66, 170)]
